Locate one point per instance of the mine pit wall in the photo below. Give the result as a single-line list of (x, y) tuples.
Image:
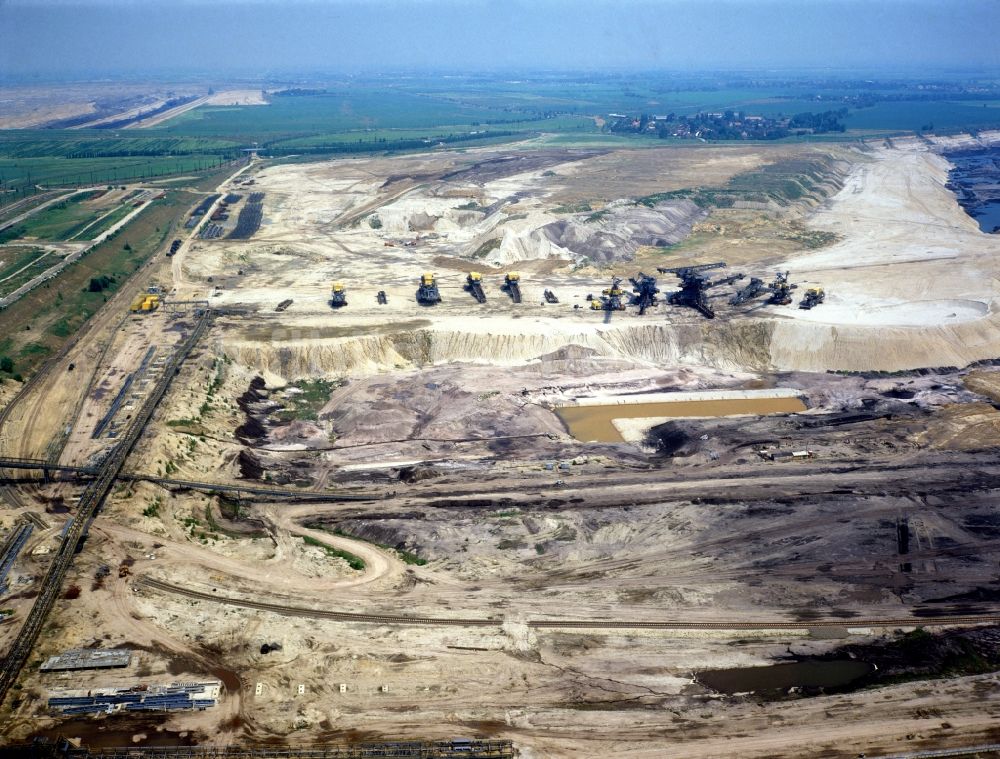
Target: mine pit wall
[(751, 344), (726, 345), (798, 345)]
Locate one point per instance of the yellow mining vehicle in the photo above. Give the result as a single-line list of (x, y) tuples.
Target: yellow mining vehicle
[(338, 295), (427, 293), (512, 284)]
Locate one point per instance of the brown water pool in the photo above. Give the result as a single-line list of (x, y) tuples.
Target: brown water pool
[(593, 423)]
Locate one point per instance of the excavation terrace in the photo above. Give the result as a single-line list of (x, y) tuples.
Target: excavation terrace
[(775, 483)]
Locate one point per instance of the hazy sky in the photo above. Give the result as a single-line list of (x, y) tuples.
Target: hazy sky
[(260, 36)]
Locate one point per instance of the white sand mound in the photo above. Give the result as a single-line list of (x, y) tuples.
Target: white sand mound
[(847, 310), (616, 234), (910, 256)]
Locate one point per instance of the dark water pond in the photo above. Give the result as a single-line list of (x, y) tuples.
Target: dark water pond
[(988, 216), (780, 677), (975, 180), (115, 731)]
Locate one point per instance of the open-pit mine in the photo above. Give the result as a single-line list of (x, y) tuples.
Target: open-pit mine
[(560, 451)]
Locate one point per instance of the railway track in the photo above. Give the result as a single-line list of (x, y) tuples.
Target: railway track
[(89, 504), (46, 368), (986, 748), (58, 444), (495, 748), (11, 548), (10, 493), (568, 624), (277, 493), (89, 473), (101, 318), (827, 478), (301, 611)]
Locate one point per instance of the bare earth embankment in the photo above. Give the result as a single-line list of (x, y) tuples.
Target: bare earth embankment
[(481, 516)]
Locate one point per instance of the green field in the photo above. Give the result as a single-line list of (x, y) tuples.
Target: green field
[(928, 116), (79, 217), (74, 158), (359, 119), (106, 222), (366, 120), (69, 172), (384, 138), (79, 144), (394, 114), (19, 264), (321, 113), (13, 210), (60, 221), (36, 325)]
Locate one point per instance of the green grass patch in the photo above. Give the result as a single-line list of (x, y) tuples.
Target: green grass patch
[(812, 239), (61, 220), (81, 216), (95, 230), (703, 197), (180, 422), (19, 265), (210, 520), (509, 514), (580, 207), (12, 233), (487, 247), (354, 562), (781, 182), (596, 216), (305, 404), (62, 328)]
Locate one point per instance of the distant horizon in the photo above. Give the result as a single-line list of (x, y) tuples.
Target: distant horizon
[(305, 77), (67, 39)]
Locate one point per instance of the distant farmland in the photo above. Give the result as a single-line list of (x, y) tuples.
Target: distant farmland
[(412, 113)]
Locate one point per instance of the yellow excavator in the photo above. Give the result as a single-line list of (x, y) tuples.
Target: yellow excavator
[(512, 284), (338, 295), (427, 293), (813, 297), (474, 284)]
